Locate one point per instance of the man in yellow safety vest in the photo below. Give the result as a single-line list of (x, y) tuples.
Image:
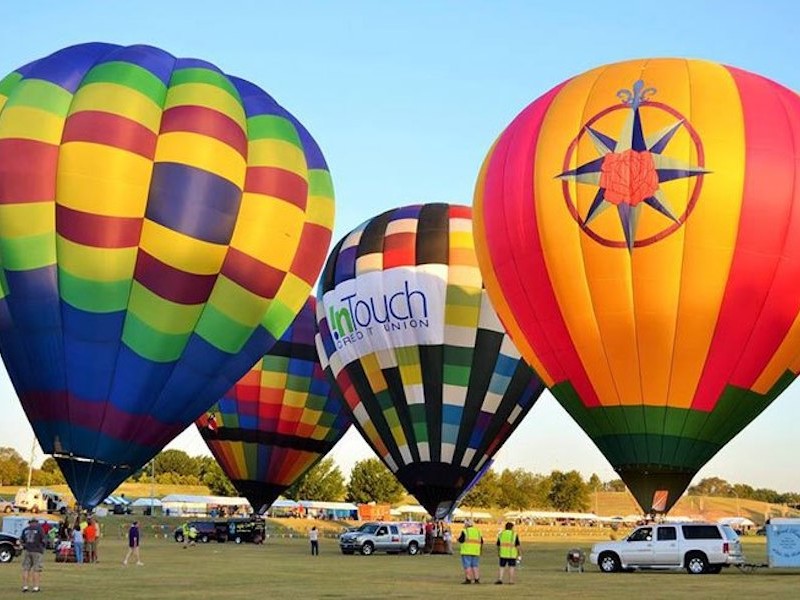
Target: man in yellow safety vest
[(508, 549), (471, 543)]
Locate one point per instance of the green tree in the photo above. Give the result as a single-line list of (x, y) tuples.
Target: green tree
[(217, 482), (13, 469), (485, 493), (371, 481), (323, 482), (711, 486), (568, 491), (615, 485), (177, 462), (49, 474), (520, 490)]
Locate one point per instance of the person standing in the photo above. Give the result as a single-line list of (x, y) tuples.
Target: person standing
[(133, 544), (33, 544), (471, 542), (77, 545), (90, 540), (313, 535), (508, 550)]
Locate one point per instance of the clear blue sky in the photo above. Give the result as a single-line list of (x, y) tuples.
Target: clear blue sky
[(405, 99)]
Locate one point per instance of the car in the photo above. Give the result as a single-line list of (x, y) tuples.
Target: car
[(9, 547), (246, 530), (6, 506), (206, 531), (393, 538), (697, 547)]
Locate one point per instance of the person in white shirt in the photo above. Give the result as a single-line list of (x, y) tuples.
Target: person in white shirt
[(313, 535)]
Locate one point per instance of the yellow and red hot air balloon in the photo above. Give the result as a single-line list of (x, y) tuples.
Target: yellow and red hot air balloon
[(159, 220), (638, 228)]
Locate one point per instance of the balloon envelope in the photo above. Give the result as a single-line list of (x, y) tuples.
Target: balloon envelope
[(433, 383), (638, 227), (279, 420), (156, 217)]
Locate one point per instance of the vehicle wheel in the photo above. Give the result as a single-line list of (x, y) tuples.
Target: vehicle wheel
[(608, 562), (63, 510), (238, 539), (367, 549), (178, 537), (6, 554), (696, 563), (204, 538), (8, 509), (413, 548), (35, 510), (715, 569)]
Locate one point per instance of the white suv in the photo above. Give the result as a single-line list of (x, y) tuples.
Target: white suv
[(697, 547)]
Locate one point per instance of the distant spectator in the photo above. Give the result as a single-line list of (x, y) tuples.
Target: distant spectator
[(313, 535), (33, 545), (133, 544), (77, 545), (90, 540)]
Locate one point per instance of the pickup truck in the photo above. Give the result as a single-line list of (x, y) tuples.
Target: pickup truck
[(392, 538)]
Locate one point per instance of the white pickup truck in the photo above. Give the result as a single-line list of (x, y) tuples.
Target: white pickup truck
[(393, 538), (696, 547)]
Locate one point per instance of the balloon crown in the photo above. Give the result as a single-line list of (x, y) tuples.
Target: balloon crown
[(637, 95)]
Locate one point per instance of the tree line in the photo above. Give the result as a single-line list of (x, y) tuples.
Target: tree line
[(371, 481)]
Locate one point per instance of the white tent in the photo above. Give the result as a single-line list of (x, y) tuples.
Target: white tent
[(737, 522), (183, 504), (146, 502)]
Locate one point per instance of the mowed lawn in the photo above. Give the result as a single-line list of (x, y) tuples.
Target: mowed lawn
[(283, 568)]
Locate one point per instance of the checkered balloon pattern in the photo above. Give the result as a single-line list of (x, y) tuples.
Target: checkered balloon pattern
[(279, 419), (433, 382)]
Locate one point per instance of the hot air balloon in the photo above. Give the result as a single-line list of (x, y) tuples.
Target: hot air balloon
[(280, 419), (638, 228), (433, 383), (156, 217)]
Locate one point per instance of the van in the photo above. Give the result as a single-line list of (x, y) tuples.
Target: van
[(696, 547), (38, 500)]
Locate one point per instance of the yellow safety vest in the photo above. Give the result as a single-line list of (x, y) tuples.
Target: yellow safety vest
[(472, 542), (508, 548)]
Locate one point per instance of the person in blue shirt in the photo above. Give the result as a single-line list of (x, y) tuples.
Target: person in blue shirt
[(133, 544)]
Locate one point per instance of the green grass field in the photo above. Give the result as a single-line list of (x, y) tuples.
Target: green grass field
[(283, 568)]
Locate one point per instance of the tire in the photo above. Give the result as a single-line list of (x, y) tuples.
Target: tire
[(367, 549), (715, 569), (238, 539), (6, 554), (8, 509), (696, 563), (179, 537), (413, 548), (35, 510), (608, 562), (204, 538)]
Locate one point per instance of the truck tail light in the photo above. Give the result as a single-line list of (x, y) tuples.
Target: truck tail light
[(725, 548)]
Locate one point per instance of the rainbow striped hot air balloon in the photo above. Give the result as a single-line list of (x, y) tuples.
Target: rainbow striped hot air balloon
[(157, 217), (433, 382), (278, 420), (638, 227)]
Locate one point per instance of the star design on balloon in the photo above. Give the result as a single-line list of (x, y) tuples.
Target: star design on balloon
[(631, 169)]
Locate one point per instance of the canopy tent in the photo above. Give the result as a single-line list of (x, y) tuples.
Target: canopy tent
[(330, 510), (117, 501), (154, 502), (737, 522), (183, 504)]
